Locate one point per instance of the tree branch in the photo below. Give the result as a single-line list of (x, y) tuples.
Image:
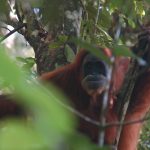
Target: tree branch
[(97, 123), (129, 83), (5, 28), (13, 31)]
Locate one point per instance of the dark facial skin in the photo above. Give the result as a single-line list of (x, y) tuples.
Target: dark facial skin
[(94, 74)]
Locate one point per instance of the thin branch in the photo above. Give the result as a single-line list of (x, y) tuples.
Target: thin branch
[(97, 123), (10, 6), (98, 12), (18, 13), (104, 108), (102, 119), (85, 19), (5, 28), (84, 9), (11, 32), (127, 89), (125, 94), (127, 122)]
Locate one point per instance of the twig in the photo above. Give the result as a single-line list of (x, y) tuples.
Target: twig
[(98, 12), (84, 9), (104, 108), (17, 12), (127, 122), (11, 32), (97, 123), (5, 28), (125, 93)]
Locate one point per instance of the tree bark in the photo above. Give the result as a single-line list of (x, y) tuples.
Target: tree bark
[(40, 39)]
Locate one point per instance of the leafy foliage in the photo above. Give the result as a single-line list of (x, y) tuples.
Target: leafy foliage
[(105, 23), (43, 104)]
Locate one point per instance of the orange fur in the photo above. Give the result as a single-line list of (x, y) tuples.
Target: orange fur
[(68, 79), (138, 108)]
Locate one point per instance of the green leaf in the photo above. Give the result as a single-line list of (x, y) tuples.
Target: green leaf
[(62, 38), (9, 70), (54, 45), (116, 3), (69, 53), (17, 136), (51, 120), (147, 1), (105, 19), (131, 23), (26, 60), (35, 3), (94, 50), (121, 50)]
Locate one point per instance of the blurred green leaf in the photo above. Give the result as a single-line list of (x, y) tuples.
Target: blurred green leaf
[(81, 142), (15, 76), (105, 18), (3, 7), (116, 4), (54, 45), (27, 60), (94, 50), (131, 23), (51, 120), (121, 50), (69, 53), (62, 38), (17, 136), (35, 3)]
